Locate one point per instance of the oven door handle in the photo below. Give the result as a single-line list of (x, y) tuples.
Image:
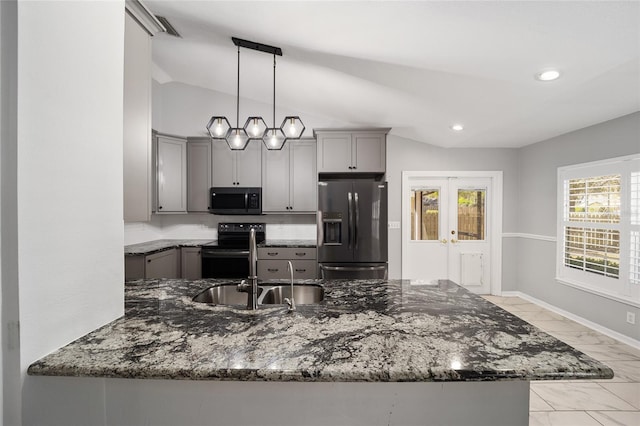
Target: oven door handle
[(208, 253)]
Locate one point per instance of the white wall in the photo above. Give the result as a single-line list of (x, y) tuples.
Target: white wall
[(69, 186), (11, 379), (408, 155), (537, 214)]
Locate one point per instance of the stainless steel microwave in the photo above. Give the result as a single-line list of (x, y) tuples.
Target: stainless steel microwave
[(230, 200)]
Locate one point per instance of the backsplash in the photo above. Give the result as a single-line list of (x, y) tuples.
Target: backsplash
[(205, 226)]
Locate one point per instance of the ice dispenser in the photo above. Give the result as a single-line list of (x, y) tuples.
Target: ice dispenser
[(332, 228)]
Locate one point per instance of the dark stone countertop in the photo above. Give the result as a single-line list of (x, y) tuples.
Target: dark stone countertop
[(155, 246), (292, 243), (376, 331)]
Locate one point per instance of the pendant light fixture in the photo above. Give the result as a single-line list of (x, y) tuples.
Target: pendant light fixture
[(237, 137), (274, 138), (255, 128)]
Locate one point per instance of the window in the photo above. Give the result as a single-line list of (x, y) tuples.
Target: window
[(599, 227)]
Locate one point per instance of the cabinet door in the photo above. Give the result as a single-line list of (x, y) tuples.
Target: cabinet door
[(198, 175), (172, 174), (275, 180), (162, 265), (248, 170), (334, 153), (304, 178), (223, 164), (272, 269), (191, 263), (137, 123), (369, 152)]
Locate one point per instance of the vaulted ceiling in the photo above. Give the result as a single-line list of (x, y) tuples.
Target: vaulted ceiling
[(418, 66)]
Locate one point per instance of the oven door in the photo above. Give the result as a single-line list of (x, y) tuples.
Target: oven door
[(225, 263)]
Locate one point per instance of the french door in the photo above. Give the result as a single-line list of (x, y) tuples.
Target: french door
[(447, 230)]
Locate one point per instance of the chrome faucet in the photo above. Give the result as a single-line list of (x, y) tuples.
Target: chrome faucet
[(252, 299), (291, 303)]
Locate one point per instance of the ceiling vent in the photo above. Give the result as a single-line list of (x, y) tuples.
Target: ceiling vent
[(170, 30)]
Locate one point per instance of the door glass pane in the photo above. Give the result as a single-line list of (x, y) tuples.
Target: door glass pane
[(425, 213), (471, 214)]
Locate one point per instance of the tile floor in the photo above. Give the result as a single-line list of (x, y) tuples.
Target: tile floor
[(581, 402)]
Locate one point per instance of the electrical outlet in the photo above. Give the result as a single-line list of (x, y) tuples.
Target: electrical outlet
[(631, 318), (394, 225)]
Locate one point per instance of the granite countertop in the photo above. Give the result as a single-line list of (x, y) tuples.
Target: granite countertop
[(292, 243), (150, 247), (369, 330)]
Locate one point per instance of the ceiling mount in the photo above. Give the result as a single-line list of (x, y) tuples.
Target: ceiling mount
[(257, 46)]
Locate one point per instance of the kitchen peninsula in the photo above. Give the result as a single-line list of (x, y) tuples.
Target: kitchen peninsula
[(467, 361)]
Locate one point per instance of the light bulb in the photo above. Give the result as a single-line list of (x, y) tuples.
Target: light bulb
[(236, 140), (218, 128), (274, 139), (292, 129), (255, 129)]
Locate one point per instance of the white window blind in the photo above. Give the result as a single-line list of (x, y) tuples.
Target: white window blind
[(634, 245), (599, 227)]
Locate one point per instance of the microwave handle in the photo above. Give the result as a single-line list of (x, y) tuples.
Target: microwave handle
[(246, 201)]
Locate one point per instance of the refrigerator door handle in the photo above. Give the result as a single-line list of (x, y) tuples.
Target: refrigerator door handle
[(350, 221), (357, 221)]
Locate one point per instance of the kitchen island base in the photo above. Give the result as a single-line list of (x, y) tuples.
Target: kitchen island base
[(106, 401)]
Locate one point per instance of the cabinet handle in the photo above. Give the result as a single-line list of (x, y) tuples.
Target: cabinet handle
[(273, 253), (148, 260), (301, 254), (159, 207), (273, 269), (301, 270)]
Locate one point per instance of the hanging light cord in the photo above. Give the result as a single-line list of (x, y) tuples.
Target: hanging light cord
[(274, 91), (238, 92)]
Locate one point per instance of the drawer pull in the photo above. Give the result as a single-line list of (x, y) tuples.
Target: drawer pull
[(273, 269), (273, 253), (301, 254), (301, 270)]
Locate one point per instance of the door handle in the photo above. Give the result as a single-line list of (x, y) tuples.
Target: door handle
[(453, 241), (350, 214), (357, 221)]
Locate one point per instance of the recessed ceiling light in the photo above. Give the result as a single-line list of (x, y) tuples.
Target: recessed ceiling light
[(457, 127), (548, 75)]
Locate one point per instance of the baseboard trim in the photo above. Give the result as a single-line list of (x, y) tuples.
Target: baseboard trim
[(590, 324)]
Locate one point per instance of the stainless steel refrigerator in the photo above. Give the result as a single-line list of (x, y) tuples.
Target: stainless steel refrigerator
[(352, 229)]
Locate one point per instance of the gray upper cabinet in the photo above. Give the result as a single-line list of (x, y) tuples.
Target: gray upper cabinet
[(198, 174), (351, 151), (171, 174), (236, 168), (289, 178)]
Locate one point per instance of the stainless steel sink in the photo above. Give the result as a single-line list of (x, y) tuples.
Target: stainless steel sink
[(224, 294), (272, 294), (303, 294)]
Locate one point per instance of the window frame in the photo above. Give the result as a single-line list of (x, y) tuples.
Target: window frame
[(619, 288)]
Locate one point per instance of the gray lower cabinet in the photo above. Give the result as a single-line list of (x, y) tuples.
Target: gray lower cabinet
[(289, 178), (272, 263), (236, 168), (171, 174), (191, 263), (351, 151), (164, 264), (198, 174)]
